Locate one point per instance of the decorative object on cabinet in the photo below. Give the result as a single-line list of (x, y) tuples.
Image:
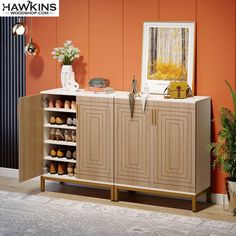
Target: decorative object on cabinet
[(66, 55), (168, 54), (133, 93), (224, 149), (99, 83), (178, 90), (144, 96)]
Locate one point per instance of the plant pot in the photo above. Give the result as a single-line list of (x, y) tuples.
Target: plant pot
[(231, 191)]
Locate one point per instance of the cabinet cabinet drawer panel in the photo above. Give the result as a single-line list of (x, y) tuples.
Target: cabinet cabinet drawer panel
[(174, 160), (133, 142), (96, 140)]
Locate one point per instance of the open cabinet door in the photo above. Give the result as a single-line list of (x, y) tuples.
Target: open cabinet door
[(30, 137)]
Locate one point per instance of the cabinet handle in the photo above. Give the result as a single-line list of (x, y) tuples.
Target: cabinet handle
[(155, 117), (152, 117)]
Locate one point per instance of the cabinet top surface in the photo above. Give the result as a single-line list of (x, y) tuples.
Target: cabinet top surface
[(121, 95)]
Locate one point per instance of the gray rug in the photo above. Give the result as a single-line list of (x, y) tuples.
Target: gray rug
[(24, 214)]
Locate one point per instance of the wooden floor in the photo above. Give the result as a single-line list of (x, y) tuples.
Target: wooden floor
[(127, 199)]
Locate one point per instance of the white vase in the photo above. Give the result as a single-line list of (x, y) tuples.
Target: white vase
[(66, 73), (68, 78)]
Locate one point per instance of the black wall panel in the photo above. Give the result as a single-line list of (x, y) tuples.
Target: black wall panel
[(12, 86)]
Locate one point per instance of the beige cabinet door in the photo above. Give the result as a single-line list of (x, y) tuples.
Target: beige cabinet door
[(133, 143), (174, 162), (95, 139), (30, 116)]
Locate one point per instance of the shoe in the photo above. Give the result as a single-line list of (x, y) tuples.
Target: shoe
[(67, 135), (68, 154), (67, 104), (59, 135), (74, 122), (59, 104), (53, 152), (69, 121), (53, 134), (74, 155), (70, 169), (75, 170), (73, 105), (73, 136), (53, 168), (52, 120), (60, 153), (60, 120), (51, 103), (61, 170)]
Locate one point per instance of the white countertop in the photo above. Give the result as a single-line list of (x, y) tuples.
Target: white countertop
[(121, 95)]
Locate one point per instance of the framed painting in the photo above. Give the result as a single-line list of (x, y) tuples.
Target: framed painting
[(168, 54)]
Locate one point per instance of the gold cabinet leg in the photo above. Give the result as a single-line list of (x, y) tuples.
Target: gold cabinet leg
[(42, 184), (194, 203), (208, 195), (115, 196), (112, 193)]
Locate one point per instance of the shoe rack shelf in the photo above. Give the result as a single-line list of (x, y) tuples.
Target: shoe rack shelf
[(48, 125), (60, 110), (59, 142), (59, 177), (63, 159), (51, 144)]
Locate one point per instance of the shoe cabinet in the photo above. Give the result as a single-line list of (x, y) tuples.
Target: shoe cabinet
[(47, 142), (162, 150)]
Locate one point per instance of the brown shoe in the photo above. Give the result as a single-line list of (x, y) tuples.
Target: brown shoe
[(59, 135), (75, 170), (68, 154), (53, 168), (74, 155), (59, 104), (70, 169), (60, 120), (62, 168), (52, 120)]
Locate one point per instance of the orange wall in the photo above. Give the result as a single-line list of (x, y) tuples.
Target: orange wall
[(109, 35)]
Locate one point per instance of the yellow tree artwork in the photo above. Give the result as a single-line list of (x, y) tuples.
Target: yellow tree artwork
[(168, 53)]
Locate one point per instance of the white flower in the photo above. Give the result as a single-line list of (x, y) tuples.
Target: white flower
[(66, 54)]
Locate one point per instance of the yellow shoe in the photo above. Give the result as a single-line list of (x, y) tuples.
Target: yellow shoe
[(60, 153), (60, 120), (53, 152), (52, 120)]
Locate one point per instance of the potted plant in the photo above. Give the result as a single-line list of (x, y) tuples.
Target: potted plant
[(224, 149), (66, 55)]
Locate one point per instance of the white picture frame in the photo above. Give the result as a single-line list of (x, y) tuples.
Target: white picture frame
[(168, 55)]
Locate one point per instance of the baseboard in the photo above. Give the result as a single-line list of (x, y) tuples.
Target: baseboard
[(216, 198), (8, 172), (12, 173)]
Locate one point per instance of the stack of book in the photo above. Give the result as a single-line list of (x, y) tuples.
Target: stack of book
[(99, 85)]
